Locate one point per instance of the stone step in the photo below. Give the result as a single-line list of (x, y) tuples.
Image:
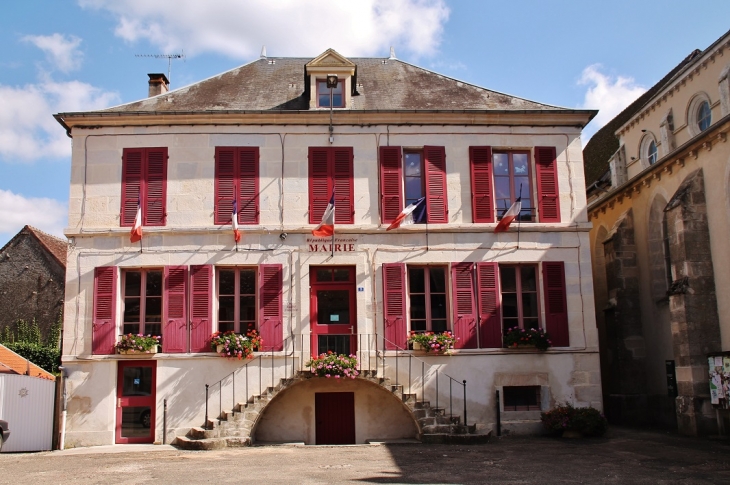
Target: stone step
[(205, 444), (455, 439), (435, 420), (198, 433)]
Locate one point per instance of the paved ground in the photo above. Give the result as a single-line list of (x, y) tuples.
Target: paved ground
[(623, 457)]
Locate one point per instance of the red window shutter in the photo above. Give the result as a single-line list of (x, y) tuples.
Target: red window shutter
[(394, 306), (465, 318), (548, 196), (175, 327), (248, 185), (391, 183), (104, 327), (490, 318), (271, 312), (436, 199), (154, 212), (320, 189), (201, 307), (344, 185), (482, 201), (556, 307), (225, 182), (132, 170)]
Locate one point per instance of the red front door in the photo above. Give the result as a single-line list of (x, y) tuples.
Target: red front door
[(136, 384), (334, 413), (333, 310)]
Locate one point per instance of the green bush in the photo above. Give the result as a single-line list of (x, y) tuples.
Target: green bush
[(47, 358), (565, 417)]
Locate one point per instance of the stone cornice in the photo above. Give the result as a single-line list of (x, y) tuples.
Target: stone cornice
[(574, 118)]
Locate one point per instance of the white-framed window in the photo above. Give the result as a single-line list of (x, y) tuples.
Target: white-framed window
[(142, 297), (648, 150), (699, 114), (236, 292)]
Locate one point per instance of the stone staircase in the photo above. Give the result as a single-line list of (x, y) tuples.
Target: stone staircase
[(233, 427)]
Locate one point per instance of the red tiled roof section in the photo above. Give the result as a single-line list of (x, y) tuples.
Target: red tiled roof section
[(56, 246), (12, 363)]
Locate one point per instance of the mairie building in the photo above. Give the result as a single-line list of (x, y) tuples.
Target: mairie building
[(279, 139)]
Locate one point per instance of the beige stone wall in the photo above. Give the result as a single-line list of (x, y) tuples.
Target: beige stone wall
[(700, 79)]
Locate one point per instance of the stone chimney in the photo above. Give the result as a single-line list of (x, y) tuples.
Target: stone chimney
[(158, 84)]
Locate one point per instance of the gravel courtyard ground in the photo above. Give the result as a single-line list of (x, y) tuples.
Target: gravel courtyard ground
[(623, 457)]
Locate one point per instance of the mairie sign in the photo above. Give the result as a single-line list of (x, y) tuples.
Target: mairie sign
[(324, 244)]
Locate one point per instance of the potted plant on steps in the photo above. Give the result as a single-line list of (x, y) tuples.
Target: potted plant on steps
[(137, 344), (437, 343), (335, 366)]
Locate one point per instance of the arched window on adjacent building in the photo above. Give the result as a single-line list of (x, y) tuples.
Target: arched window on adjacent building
[(648, 150), (699, 114), (659, 267)]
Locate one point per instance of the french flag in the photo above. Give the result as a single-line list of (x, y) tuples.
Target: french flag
[(409, 215), (234, 221), (509, 216), (327, 226), (136, 233)]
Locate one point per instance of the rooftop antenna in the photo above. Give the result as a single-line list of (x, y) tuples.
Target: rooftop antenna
[(169, 58)]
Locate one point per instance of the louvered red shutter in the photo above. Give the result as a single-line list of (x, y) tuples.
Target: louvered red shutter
[(548, 196), (465, 319), (490, 318), (394, 306), (154, 212), (556, 307), (436, 198), (482, 205), (344, 185), (225, 181), (132, 170), (320, 189), (104, 328), (271, 312), (391, 183), (248, 185), (175, 329), (201, 307)]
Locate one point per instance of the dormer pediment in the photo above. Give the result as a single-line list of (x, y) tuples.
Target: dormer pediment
[(331, 61)]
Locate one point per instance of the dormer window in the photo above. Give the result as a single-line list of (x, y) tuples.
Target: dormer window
[(323, 95)]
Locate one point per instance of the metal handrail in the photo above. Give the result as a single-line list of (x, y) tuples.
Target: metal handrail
[(401, 352), (272, 354), (380, 354)]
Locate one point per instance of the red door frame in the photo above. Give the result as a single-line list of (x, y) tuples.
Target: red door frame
[(130, 401), (344, 329)]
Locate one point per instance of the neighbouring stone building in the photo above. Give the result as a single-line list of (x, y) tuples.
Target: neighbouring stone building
[(32, 279), (658, 179), (274, 140)]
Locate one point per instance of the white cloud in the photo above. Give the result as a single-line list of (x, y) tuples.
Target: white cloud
[(287, 27), (608, 94), (62, 51), (28, 131), (16, 211)]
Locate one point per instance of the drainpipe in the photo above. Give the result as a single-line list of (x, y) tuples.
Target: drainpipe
[(62, 438)]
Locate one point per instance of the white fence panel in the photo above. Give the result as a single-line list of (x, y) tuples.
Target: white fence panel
[(26, 403)]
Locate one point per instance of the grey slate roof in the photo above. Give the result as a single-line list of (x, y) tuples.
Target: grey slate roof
[(280, 86)]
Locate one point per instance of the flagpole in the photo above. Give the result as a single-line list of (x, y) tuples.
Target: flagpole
[(519, 220), (334, 211), (140, 245)]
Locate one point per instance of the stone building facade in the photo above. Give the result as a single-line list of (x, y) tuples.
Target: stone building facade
[(32, 279), (273, 138), (658, 200)]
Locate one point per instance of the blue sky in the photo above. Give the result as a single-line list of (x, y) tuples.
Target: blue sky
[(75, 55)]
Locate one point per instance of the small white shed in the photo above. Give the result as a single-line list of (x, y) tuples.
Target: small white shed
[(26, 403)]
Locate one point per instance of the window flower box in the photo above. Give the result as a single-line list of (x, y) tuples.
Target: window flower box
[(131, 344), (516, 338), (232, 345), (437, 343)]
